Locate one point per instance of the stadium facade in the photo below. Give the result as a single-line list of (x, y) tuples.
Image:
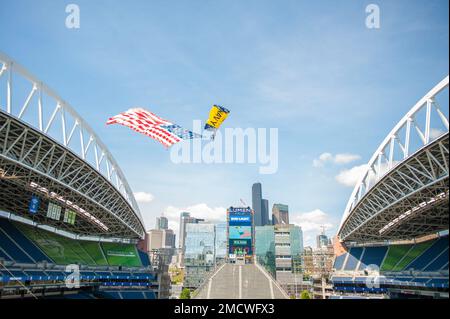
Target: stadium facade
[(69, 223), (394, 232)]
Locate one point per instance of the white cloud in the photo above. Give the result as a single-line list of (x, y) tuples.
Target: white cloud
[(342, 158), (349, 177), (346, 158), (202, 210), (312, 223), (143, 197)]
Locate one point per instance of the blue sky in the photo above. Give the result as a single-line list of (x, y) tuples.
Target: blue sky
[(309, 68)]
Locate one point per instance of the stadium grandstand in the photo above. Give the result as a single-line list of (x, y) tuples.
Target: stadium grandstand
[(393, 238), (69, 223)]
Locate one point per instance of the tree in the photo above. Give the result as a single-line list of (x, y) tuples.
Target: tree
[(185, 294), (305, 295)]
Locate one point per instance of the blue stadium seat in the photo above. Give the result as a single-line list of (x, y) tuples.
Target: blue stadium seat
[(439, 262), (111, 294), (438, 282), (430, 254), (37, 275), (13, 250), (353, 258), (373, 256), (339, 261), (144, 258), (103, 274), (149, 295), (132, 294), (34, 252), (3, 255)]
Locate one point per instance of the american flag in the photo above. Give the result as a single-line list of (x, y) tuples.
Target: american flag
[(150, 124)]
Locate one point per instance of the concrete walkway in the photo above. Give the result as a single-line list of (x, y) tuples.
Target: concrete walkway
[(233, 281)]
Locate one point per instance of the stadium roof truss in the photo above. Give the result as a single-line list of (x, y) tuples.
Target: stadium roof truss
[(404, 190), (60, 158)]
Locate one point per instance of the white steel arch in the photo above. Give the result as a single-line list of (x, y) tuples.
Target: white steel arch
[(63, 125), (384, 162)]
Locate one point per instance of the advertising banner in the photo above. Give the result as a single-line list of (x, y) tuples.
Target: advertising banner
[(240, 232), (240, 210), (240, 220), (34, 204)]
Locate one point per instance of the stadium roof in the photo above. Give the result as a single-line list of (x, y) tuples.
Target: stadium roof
[(47, 149), (404, 190)]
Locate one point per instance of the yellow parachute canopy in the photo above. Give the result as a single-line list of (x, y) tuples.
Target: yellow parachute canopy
[(217, 115)]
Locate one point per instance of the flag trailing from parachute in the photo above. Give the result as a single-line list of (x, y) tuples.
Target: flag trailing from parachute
[(148, 123), (217, 115)]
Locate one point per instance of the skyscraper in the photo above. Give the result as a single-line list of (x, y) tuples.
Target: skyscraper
[(280, 214), (322, 241), (265, 212), (162, 222), (185, 218), (257, 204)]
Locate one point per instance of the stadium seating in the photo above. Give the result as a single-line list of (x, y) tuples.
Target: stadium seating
[(12, 249), (95, 252), (372, 256), (121, 254), (439, 263), (144, 258), (423, 266), (32, 250), (23, 248), (433, 252), (353, 258), (413, 253), (339, 261), (64, 251), (394, 255)]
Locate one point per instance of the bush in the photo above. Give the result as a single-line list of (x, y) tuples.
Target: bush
[(305, 295), (185, 294)]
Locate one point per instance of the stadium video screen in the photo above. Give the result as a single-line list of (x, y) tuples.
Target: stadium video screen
[(240, 232)]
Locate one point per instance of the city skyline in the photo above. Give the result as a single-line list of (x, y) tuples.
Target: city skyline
[(316, 103)]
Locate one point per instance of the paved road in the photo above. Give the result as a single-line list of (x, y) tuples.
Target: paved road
[(233, 281)]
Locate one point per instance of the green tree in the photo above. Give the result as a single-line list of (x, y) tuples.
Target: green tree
[(185, 294), (305, 295)]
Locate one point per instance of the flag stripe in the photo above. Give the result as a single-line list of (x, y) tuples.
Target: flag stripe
[(148, 123)]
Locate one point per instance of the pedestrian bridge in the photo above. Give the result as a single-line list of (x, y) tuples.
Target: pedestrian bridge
[(233, 281)]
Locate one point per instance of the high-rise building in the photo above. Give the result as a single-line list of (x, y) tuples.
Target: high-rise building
[(199, 253), (169, 238), (322, 241), (221, 242), (279, 249), (265, 212), (160, 238), (155, 239), (162, 222), (185, 218), (257, 203), (280, 214)]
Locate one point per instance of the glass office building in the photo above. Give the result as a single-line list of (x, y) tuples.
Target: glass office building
[(278, 248), (221, 242), (205, 246), (265, 247)]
